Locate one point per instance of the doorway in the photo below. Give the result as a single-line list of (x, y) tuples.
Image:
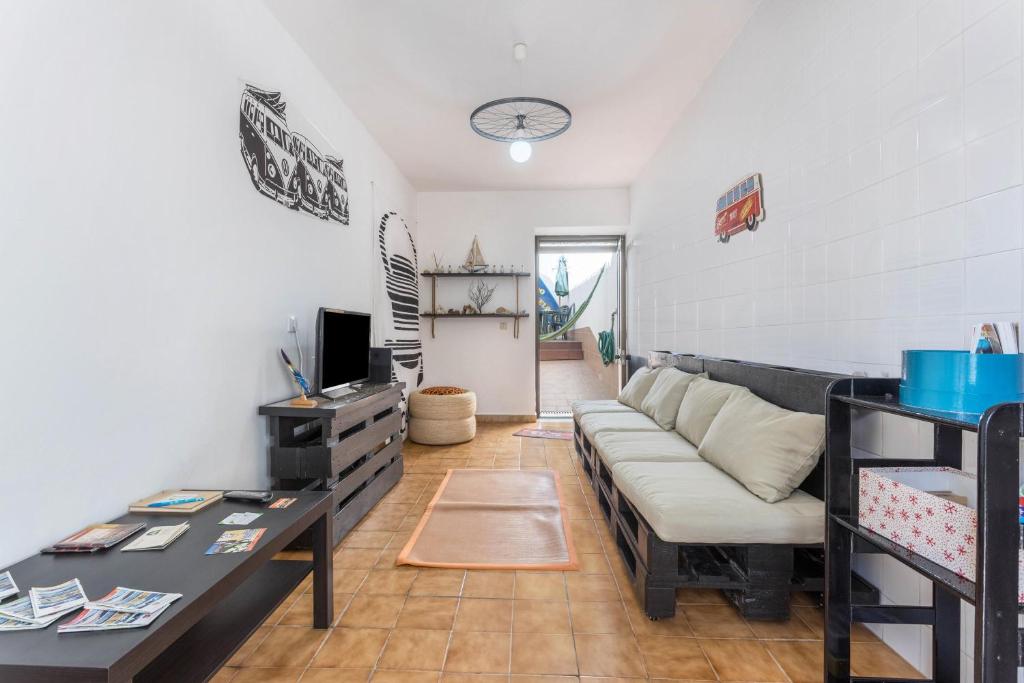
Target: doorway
[(580, 305)]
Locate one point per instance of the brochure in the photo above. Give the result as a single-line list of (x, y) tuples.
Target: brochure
[(57, 599), (95, 537), (281, 503), (241, 518), (236, 541), (133, 601), (7, 585), (157, 538), (20, 612), (995, 337), (107, 620)]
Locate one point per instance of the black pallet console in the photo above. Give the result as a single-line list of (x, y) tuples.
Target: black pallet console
[(351, 445)]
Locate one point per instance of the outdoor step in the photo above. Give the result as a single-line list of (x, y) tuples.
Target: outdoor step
[(561, 350)]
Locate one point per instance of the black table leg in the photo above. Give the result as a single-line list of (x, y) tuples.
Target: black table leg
[(323, 572)]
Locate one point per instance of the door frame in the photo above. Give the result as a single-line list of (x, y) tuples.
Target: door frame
[(620, 340)]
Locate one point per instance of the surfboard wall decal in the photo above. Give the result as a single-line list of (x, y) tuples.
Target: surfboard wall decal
[(398, 309), (288, 166)]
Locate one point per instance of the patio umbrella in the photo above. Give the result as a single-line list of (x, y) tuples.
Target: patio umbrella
[(562, 278)]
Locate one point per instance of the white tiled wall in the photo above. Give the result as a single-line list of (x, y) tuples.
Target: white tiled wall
[(888, 135)]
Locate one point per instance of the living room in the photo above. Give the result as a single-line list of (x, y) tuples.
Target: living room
[(387, 246)]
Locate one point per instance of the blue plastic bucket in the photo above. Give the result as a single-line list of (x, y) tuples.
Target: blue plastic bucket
[(960, 382)]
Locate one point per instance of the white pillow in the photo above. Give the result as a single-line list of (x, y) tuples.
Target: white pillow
[(637, 387), (662, 402), (701, 402), (768, 449)]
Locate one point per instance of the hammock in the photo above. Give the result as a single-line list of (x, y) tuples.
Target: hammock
[(575, 316)]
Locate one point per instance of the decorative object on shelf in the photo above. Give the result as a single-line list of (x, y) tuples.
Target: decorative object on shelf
[(740, 208), (396, 318), (475, 262), (502, 310), (520, 120), (437, 262), (285, 165), (468, 309), (452, 311), (480, 294), (998, 337), (299, 401), (960, 383)]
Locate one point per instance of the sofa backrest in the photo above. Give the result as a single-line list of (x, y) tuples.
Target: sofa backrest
[(790, 388)]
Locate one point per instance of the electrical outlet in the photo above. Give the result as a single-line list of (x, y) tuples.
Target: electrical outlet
[(292, 324), (503, 326)]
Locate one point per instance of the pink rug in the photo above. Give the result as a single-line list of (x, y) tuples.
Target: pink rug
[(545, 434)]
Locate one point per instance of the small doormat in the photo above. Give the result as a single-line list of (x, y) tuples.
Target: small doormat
[(545, 434), (494, 519)]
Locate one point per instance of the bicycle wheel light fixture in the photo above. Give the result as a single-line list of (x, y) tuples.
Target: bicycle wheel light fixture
[(520, 120)]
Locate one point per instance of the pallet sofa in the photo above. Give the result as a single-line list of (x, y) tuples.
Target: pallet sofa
[(681, 521)]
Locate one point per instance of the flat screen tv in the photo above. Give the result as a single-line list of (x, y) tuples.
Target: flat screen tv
[(342, 350)]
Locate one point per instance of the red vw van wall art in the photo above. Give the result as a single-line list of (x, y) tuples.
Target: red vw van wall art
[(740, 208)]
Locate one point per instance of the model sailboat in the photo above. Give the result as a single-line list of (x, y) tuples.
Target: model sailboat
[(475, 262)]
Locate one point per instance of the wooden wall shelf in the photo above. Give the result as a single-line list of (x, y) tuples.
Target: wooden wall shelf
[(451, 316)]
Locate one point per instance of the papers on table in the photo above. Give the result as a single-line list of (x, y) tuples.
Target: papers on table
[(7, 585), (95, 537), (133, 601), (241, 518), (281, 503), (107, 620), (57, 599), (157, 538), (236, 541), (18, 615)]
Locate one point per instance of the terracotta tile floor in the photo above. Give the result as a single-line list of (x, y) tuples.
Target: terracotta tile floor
[(565, 381), (407, 625)]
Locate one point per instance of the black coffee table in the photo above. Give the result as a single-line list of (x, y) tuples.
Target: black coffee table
[(225, 597)]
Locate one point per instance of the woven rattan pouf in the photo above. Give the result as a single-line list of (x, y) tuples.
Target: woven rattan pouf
[(442, 415)]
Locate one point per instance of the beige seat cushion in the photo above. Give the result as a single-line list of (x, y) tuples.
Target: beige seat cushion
[(581, 408), (768, 449), (637, 387), (695, 502), (632, 421), (616, 447), (701, 402), (661, 403)]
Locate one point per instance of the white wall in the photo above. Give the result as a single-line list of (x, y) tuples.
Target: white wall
[(477, 354), (888, 133), (146, 285)]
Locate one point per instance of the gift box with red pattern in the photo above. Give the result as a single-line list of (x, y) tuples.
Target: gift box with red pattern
[(895, 503)]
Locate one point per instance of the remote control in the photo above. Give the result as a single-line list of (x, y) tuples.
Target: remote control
[(249, 496)]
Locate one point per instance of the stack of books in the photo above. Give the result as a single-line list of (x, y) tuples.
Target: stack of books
[(95, 537), (42, 606), (119, 609)]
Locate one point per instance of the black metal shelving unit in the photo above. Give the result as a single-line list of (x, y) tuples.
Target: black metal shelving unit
[(995, 592)]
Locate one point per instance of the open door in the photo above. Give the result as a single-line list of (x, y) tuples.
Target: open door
[(580, 306)]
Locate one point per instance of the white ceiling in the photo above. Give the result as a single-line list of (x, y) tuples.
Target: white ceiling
[(414, 70)]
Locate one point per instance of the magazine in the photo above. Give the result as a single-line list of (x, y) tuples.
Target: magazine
[(95, 537), (18, 614), (7, 585), (107, 620), (55, 599), (157, 538), (133, 601), (281, 503), (236, 541), (241, 518), (995, 337)]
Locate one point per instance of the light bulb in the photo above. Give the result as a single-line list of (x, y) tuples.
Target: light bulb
[(520, 151)]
